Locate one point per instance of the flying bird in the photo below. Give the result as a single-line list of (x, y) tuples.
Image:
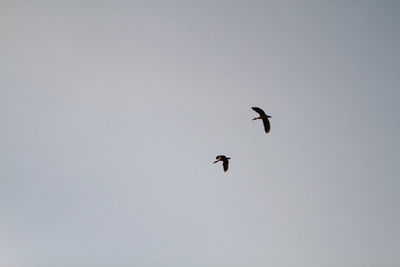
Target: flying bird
[(264, 117), (224, 160)]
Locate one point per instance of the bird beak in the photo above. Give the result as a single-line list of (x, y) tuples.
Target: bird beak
[(254, 119), (216, 161)]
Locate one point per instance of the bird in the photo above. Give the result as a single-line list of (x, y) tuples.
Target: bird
[(264, 117), (224, 160)]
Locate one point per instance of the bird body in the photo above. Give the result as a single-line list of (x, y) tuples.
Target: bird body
[(264, 117), (225, 161)]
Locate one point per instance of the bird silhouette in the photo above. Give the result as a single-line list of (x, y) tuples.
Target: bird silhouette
[(225, 161), (264, 117)]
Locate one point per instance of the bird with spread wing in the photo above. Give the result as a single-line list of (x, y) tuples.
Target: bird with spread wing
[(225, 161), (264, 117)]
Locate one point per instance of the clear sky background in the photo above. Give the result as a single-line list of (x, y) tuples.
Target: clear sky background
[(112, 113)]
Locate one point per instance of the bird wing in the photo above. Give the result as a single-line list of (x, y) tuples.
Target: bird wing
[(225, 165), (259, 111), (219, 157), (267, 126)]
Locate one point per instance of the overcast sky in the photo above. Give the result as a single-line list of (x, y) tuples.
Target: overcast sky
[(112, 113)]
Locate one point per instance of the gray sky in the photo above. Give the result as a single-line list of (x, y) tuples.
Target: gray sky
[(112, 113)]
